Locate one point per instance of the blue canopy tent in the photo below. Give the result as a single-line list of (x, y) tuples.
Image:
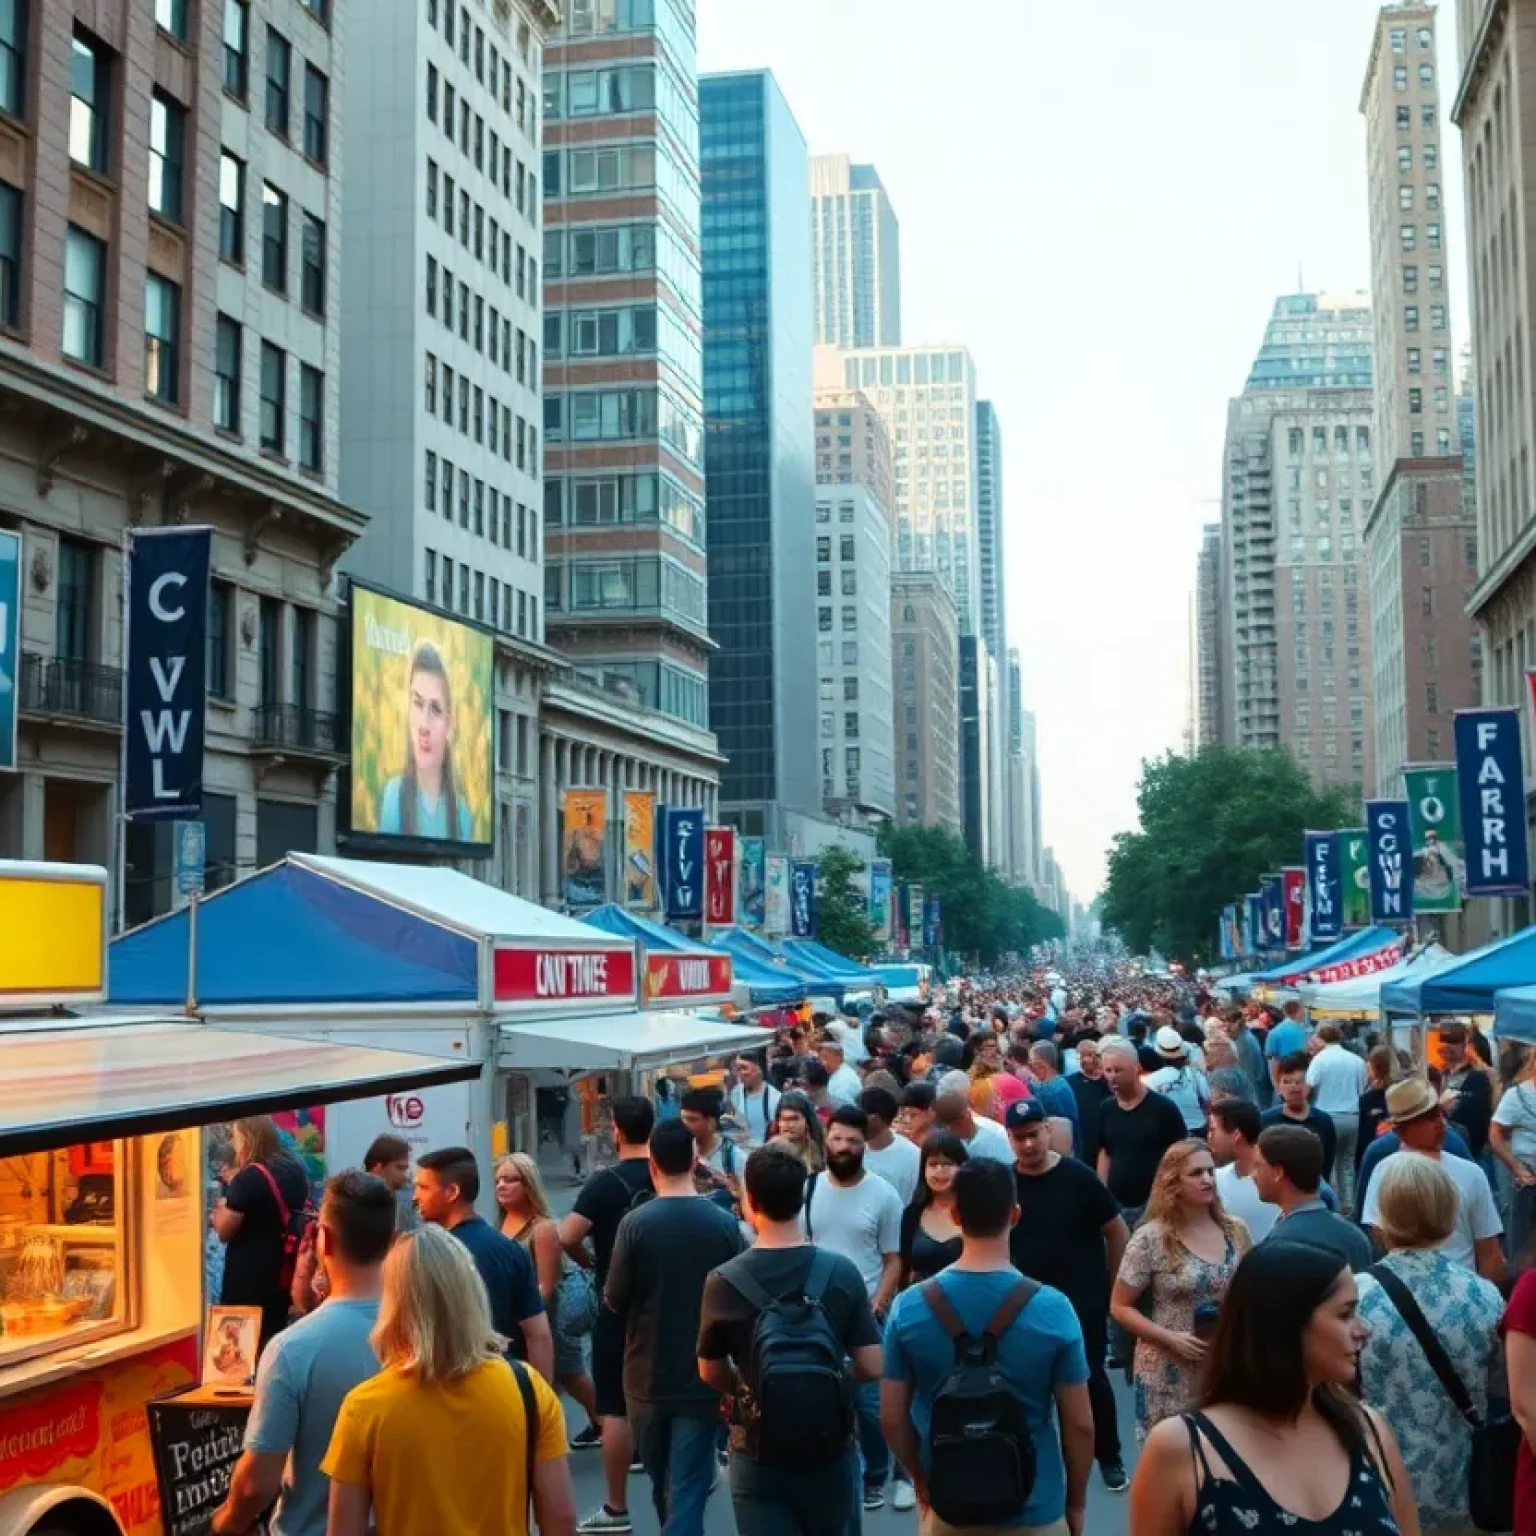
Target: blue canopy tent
[(1514, 1014), (777, 959), (850, 973), (1471, 984), (1366, 942)]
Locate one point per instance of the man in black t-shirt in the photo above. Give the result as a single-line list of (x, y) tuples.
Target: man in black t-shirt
[(1136, 1126), (604, 1201), (1070, 1234), (820, 1498), (1090, 1090)]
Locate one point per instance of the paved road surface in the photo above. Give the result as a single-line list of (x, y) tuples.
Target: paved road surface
[(1106, 1512)]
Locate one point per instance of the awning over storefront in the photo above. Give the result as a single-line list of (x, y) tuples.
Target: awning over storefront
[(677, 972), (73, 1081), (621, 1042), (1470, 984)]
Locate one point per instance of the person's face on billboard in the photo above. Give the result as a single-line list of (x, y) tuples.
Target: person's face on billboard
[(431, 726)]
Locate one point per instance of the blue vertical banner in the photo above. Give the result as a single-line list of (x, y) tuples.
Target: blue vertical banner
[(1253, 923), (1389, 846), (880, 897), (932, 925), (682, 862), (1224, 934), (802, 899), (1491, 781), (1325, 885), (1272, 889), (10, 645), (165, 643)]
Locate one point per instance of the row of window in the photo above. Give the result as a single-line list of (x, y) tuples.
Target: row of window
[(482, 597), (468, 130), (616, 499), (1408, 237), (849, 583), (644, 582), (850, 653), (600, 250), (1441, 398), (824, 544), (491, 69), (1436, 317), (272, 426), (1436, 276), (622, 89), (1400, 77), (1426, 118), (481, 416), (1424, 38), (600, 169), (1405, 197), (479, 232), (850, 690), (479, 323), (277, 93), (483, 509), (845, 512), (850, 725), (1405, 157), (1440, 361), (1297, 440), (659, 686), (275, 221), (623, 415)]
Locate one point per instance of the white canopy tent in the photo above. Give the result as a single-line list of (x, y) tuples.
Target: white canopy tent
[(1362, 994)]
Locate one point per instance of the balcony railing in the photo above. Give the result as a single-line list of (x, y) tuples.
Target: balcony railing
[(293, 728), (60, 687)]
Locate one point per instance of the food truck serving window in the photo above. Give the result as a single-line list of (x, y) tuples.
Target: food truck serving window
[(63, 1270)]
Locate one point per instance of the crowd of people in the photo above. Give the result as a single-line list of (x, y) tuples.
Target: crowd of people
[(900, 1258)]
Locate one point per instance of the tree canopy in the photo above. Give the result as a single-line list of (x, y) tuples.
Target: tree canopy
[(842, 909), (1210, 826)]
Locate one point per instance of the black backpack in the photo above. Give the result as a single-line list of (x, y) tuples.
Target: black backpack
[(981, 1466), (797, 1393)]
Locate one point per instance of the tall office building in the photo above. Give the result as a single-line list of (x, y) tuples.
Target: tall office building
[(1031, 738), (856, 256), (1211, 682), (760, 463), (925, 660), (1019, 861), (977, 681), (989, 529), (1421, 538), (1298, 482)]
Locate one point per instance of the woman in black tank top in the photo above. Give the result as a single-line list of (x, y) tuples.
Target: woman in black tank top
[(1279, 1442)]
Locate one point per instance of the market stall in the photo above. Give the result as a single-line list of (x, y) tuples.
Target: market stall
[(1514, 1014), (1360, 996), (1357, 953), (1466, 990), (855, 979), (822, 989)]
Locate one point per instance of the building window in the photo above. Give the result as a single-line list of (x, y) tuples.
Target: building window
[(237, 51), (1399, 38), (167, 152), (312, 265), (1415, 360), (218, 640), (1404, 120), (274, 238), (171, 16), (1405, 198), (85, 265), (274, 365), (90, 73), (231, 209), (316, 92), (317, 9), (162, 339), (1400, 78), (13, 54), (279, 75), (226, 375), (1427, 76), (311, 418), (10, 255), (72, 615), (1408, 234)]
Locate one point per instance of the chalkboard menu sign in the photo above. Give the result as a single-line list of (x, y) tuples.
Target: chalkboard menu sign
[(197, 1436)]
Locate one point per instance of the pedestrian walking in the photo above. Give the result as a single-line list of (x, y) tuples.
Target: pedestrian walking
[(1136, 1127), (1070, 1235), (1250, 1056), (843, 1084), (311, 1367), (1234, 1137), (1380, 1074), (1427, 1313), (1520, 1366), (1183, 1255), (916, 1121), (1337, 1080), (857, 1214), (775, 1327), (1278, 1400), (1003, 1445), (1223, 1071), (1512, 1138), (1296, 1107), (893, 1157), (752, 1102), (389, 1158), (1468, 1088), (797, 1123), (1053, 1091), (447, 1186), (1179, 1080), (930, 1234), (954, 1112), (1090, 1090), (604, 1201), (1288, 1174), (664, 1252)]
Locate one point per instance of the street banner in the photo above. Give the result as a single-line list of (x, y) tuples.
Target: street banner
[(915, 916), (165, 641), (899, 931), (1325, 890), (1232, 928), (582, 847), (1253, 923), (1492, 785), (1273, 890), (1434, 829), (682, 862), (932, 921), (10, 646), (880, 897), (750, 876), (1362, 965), (1386, 828), (1224, 934), (802, 899), (1293, 884), (719, 877), (1354, 871), (640, 850), (775, 895)]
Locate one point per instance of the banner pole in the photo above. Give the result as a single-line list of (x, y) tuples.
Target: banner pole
[(120, 871)]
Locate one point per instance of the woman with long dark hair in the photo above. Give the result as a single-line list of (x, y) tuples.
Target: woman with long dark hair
[(425, 801), (798, 1126), (1279, 1441), (930, 1235)]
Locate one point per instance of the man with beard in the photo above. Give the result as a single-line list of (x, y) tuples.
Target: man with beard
[(858, 1214)]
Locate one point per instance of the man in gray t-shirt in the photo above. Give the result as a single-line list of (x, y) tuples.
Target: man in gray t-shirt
[(308, 1369)]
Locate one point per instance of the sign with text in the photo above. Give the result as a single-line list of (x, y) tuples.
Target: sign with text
[(776, 895), (10, 645), (802, 898), (1325, 890), (535, 974), (191, 850), (196, 1439), (1492, 787), (1271, 887), (1434, 827), (1354, 869), (165, 641), (1388, 846), (1293, 883), (673, 979), (719, 877), (682, 862), (1362, 965)]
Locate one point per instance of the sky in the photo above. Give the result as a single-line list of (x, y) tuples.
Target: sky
[(1103, 202)]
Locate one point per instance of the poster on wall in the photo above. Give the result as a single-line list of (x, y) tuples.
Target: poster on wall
[(776, 895), (640, 850), (1434, 828), (584, 869), (750, 882), (1386, 828), (719, 877), (1493, 809), (10, 644)]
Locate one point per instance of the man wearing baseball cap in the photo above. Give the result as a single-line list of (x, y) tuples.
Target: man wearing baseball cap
[(1070, 1234)]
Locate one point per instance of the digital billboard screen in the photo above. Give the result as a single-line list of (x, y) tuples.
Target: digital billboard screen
[(422, 706)]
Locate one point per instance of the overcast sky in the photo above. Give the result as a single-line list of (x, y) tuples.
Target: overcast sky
[(1103, 203)]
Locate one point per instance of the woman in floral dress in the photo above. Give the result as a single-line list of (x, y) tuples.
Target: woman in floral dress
[(1181, 1257)]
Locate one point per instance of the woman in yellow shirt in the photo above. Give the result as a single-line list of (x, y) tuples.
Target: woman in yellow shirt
[(439, 1443)]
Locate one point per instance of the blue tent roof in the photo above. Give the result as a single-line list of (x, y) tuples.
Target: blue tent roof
[(779, 962), (834, 964), (1350, 947), (289, 935), (615, 919), (1468, 986), (1514, 1014)]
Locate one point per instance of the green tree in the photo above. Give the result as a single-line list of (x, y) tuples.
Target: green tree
[(1210, 826), (842, 908)]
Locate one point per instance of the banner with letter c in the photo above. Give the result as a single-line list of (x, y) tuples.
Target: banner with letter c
[(1325, 891), (1386, 830), (1492, 783)]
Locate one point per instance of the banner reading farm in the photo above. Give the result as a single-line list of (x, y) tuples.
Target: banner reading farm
[(421, 724)]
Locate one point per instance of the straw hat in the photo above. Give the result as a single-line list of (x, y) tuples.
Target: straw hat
[(1170, 1044), (1410, 1100)]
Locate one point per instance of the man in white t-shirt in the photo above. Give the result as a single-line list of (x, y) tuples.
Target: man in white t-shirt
[(1413, 1111), (1337, 1079), (893, 1157), (752, 1103), (843, 1084), (1235, 1126), (952, 1112)]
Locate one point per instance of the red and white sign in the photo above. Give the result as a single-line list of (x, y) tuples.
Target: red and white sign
[(1361, 965), (719, 877), (1294, 886), (671, 979), (556, 976)]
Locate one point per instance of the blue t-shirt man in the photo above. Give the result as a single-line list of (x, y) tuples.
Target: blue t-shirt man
[(1285, 1039), (1042, 1350), (305, 1373)]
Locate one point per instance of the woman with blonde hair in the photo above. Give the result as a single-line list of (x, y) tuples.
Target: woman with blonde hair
[(1183, 1253), (567, 1289), (444, 1437)]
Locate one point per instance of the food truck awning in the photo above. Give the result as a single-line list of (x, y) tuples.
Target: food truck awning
[(621, 1042), (66, 1082)]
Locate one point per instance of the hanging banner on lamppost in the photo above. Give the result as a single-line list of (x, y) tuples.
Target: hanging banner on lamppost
[(720, 877), (583, 847), (802, 898), (776, 895), (1354, 871), (1325, 888), (1386, 829), (682, 843), (10, 645), (640, 850), (750, 882), (1253, 923), (933, 921), (1434, 826), (914, 916), (1491, 781), (1293, 885), (1272, 888), (880, 897)]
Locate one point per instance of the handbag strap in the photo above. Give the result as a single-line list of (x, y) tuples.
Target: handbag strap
[(284, 1215), (531, 1436), (1439, 1362)]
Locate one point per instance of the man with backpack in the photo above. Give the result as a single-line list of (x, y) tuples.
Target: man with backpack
[(775, 1327), (985, 1397)]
